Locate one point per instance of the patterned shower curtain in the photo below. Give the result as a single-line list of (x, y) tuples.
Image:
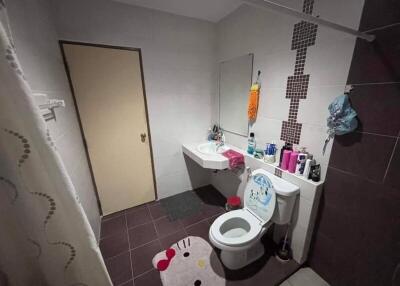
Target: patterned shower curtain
[(45, 237)]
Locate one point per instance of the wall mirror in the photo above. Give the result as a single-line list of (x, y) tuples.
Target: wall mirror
[(234, 84)]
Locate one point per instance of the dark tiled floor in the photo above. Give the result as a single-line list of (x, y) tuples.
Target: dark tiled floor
[(131, 238)]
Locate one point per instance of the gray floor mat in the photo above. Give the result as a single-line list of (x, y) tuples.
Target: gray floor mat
[(182, 205)]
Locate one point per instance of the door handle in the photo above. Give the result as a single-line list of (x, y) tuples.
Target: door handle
[(143, 137)]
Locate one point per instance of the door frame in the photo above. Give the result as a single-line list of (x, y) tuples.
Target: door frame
[(67, 71)]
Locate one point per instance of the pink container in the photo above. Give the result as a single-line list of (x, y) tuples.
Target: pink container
[(293, 162), (285, 159)]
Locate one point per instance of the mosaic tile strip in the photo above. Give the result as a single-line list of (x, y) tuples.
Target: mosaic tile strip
[(301, 55), (278, 172), (291, 132), (308, 6), (293, 110), (304, 36), (297, 86)]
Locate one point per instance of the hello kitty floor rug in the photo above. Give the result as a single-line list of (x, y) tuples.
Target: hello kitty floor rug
[(190, 261)]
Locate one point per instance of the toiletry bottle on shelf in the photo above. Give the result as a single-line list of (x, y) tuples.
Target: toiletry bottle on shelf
[(287, 146), (270, 153), (251, 145), (301, 161), (307, 168), (285, 159), (293, 162), (315, 173)]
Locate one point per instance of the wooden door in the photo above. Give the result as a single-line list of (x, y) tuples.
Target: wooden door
[(109, 97)]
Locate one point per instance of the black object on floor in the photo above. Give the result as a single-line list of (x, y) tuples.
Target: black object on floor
[(182, 205)]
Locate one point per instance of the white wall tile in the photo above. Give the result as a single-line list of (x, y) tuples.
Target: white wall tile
[(343, 12), (314, 110), (299, 247), (329, 64), (267, 130), (302, 212), (273, 104), (275, 67)]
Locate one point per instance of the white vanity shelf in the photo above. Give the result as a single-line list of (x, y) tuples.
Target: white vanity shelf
[(275, 166), (218, 162)]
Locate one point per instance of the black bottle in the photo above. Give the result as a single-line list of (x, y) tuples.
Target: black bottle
[(287, 146)]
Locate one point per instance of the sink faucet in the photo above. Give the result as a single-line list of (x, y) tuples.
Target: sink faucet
[(220, 140)]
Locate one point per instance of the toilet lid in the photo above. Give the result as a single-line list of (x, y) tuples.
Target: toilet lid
[(236, 228), (260, 196)]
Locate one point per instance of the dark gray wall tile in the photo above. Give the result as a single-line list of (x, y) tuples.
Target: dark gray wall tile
[(393, 175), (377, 61), (362, 154), (378, 13), (321, 258), (357, 234), (378, 108)]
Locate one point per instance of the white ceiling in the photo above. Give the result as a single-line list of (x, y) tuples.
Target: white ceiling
[(210, 10)]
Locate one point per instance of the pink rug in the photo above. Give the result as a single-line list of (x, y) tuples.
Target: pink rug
[(190, 261)]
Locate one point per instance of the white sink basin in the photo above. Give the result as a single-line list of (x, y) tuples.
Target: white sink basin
[(211, 148), (207, 155)]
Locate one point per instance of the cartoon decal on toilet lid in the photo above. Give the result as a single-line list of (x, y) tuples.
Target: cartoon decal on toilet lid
[(260, 197)]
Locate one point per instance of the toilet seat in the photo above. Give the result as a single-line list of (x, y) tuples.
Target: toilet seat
[(236, 228)]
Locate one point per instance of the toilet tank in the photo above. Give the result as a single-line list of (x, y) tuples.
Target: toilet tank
[(286, 194), (283, 209)]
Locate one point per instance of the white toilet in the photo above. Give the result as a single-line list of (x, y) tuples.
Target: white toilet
[(267, 199)]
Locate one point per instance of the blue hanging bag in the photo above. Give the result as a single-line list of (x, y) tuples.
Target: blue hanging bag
[(342, 118)]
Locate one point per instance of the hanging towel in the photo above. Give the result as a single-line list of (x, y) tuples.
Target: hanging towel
[(236, 159), (253, 102)]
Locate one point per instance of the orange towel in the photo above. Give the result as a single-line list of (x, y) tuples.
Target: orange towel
[(253, 102)]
